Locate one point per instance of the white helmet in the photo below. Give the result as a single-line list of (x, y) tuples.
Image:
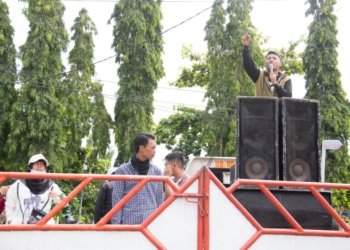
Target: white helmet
[(36, 158)]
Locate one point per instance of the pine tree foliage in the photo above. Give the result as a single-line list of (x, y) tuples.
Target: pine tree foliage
[(323, 83), (138, 50), (36, 116), (85, 110), (224, 31), (8, 77)]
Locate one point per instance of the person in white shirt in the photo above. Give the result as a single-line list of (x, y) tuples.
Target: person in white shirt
[(29, 200)]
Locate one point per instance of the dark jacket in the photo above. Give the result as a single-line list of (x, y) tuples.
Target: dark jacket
[(104, 202)]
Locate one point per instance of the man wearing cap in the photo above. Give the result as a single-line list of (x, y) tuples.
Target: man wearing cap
[(270, 82)]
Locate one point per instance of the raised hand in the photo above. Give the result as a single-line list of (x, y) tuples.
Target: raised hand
[(246, 39)]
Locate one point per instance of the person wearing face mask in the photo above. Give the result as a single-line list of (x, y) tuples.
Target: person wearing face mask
[(28, 200), (269, 82)]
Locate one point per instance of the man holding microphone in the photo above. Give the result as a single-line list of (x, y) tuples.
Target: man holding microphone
[(270, 82)]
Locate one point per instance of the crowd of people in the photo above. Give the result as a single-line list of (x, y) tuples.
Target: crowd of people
[(27, 201), (343, 213), (151, 196)]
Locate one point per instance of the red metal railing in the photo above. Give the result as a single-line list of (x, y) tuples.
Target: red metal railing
[(202, 198), (297, 229), (101, 225)]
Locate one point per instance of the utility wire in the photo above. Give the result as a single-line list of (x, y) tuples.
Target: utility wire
[(129, 48)]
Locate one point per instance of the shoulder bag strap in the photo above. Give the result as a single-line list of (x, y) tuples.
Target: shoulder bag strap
[(47, 199)]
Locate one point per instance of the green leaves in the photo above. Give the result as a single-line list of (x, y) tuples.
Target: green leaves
[(8, 77), (323, 83), (138, 50)]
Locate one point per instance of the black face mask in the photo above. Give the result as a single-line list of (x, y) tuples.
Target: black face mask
[(37, 186)]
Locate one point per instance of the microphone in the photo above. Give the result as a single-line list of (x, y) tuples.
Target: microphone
[(271, 70)]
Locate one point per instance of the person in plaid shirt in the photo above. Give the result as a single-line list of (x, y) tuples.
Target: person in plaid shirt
[(150, 197)]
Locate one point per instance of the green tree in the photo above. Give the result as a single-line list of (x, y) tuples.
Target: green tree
[(182, 131), (220, 72), (323, 84), (292, 59), (85, 109), (138, 48), (224, 31), (36, 116), (8, 78), (196, 75), (86, 156)]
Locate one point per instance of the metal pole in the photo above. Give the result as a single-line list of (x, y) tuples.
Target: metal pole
[(323, 163), (327, 144)]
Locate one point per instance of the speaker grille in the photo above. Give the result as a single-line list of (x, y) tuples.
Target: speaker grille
[(257, 137)]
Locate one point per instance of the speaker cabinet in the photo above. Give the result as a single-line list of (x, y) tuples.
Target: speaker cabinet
[(302, 205), (299, 140), (257, 138)]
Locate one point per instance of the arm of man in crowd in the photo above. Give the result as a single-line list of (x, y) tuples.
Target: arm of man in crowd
[(101, 200), (248, 63), (286, 91)]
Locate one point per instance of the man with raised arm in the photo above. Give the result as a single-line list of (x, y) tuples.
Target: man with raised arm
[(269, 82)]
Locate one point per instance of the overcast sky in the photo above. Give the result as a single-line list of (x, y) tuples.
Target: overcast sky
[(281, 20)]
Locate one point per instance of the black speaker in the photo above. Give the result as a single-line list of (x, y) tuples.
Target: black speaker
[(257, 138), (302, 205), (299, 140)]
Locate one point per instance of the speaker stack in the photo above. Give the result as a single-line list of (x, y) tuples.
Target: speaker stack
[(257, 138), (299, 140), (278, 139)]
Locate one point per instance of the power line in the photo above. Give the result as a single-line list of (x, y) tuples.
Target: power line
[(129, 48)]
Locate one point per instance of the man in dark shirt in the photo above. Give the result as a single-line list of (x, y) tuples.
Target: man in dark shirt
[(270, 82), (104, 199)]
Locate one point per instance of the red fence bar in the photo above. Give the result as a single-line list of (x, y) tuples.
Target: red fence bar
[(201, 199), (280, 208)]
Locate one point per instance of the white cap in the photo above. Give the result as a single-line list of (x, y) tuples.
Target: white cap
[(111, 170), (36, 158)]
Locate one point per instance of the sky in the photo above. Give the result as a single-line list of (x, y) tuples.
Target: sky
[(280, 20)]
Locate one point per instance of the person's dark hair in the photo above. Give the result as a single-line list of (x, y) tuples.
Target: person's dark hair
[(142, 140), (176, 156), (334, 206), (274, 53)]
